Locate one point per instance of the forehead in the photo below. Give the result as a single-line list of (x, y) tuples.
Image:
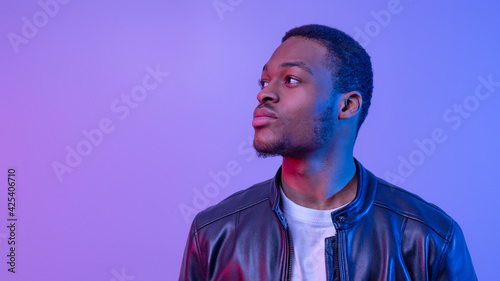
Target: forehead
[(299, 49)]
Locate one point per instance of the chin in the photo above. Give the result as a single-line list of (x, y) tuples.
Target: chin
[(269, 148)]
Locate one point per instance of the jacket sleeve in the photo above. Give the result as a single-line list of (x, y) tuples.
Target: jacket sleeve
[(192, 265), (456, 263)]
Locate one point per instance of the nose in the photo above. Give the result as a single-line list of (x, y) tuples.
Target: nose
[(267, 95)]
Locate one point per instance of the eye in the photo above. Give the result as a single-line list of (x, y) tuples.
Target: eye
[(262, 83), (291, 80)]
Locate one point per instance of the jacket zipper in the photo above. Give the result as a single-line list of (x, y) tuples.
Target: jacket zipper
[(290, 256), (336, 260)]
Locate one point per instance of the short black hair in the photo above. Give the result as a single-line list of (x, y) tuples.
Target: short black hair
[(350, 63)]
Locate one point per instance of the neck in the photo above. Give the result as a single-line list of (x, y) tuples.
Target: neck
[(321, 183)]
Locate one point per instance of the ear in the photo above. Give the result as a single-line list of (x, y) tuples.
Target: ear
[(350, 105)]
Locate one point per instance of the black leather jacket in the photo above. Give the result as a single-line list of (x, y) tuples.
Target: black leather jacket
[(386, 233)]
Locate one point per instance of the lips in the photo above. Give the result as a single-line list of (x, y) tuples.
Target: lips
[(263, 116)]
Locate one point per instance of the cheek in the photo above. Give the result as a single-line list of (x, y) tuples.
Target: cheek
[(299, 109), (300, 125), (327, 108)]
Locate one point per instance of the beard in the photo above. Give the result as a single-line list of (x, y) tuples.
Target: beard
[(321, 133)]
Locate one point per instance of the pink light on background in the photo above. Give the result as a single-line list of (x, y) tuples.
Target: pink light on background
[(123, 211)]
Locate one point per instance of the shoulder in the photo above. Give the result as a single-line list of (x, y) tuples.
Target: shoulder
[(412, 207), (243, 200)]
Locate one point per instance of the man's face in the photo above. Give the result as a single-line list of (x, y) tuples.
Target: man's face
[(297, 110)]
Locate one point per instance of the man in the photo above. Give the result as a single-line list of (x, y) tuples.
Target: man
[(323, 216)]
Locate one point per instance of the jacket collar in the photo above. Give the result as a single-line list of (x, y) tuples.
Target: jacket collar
[(344, 217)]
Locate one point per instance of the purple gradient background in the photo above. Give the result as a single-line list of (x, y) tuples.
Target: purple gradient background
[(118, 211)]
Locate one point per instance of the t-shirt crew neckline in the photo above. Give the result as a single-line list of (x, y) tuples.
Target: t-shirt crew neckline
[(304, 214)]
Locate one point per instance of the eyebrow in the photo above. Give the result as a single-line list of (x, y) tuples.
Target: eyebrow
[(298, 64)]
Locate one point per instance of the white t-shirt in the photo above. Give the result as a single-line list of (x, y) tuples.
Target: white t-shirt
[(309, 228)]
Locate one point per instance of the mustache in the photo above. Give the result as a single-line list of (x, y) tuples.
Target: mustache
[(267, 106)]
